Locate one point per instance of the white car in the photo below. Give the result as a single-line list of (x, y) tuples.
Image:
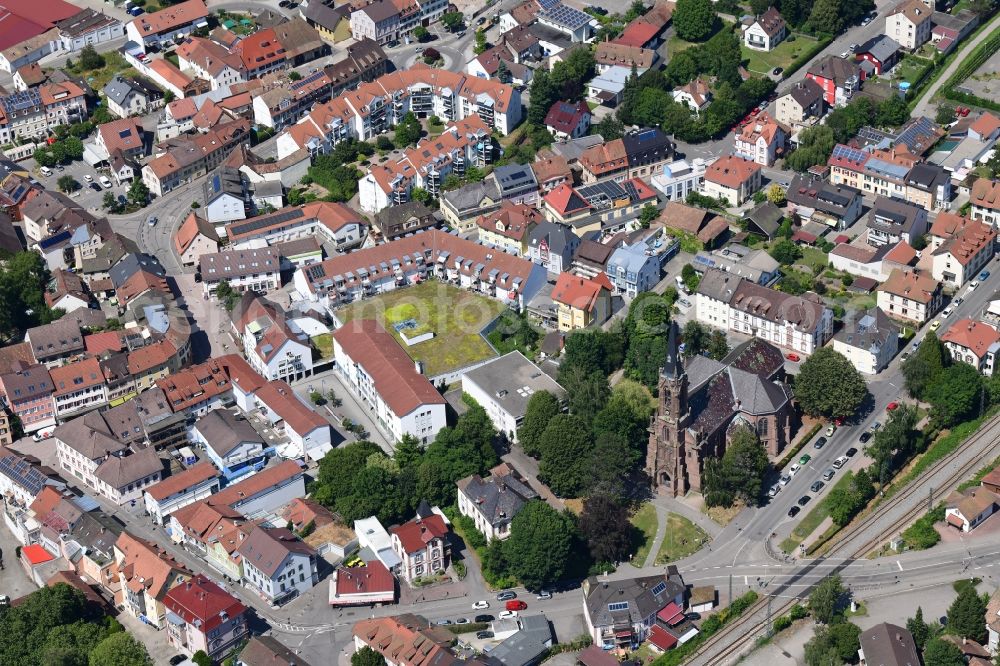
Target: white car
[(45, 171), (775, 489), (503, 615), (946, 313), (794, 469), (973, 285), (87, 177), (481, 605), (840, 462), (543, 595), (830, 430), (784, 480), (105, 183)]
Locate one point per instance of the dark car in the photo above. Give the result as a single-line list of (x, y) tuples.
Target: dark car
[(794, 511), (484, 618), (777, 70), (95, 187), (804, 500), (865, 436), (176, 659), (820, 443), (484, 634), (693, 617), (816, 486), (507, 595), (284, 3), (850, 452)]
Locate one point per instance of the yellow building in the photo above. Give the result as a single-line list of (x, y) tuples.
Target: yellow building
[(581, 302), (332, 23), (509, 227)]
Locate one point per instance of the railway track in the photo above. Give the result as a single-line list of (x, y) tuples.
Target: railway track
[(733, 640)]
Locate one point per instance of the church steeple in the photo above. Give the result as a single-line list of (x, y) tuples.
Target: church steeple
[(672, 364)]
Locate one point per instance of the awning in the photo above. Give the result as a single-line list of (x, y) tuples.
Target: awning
[(623, 634)]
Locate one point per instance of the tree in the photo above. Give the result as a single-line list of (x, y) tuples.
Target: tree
[(452, 20), (827, 16), (610, 127), (690, 277), (294, 76), (44, 158), (829, 385), (408, 130), (542, 406), (481, 44), (648, 213), (201, 658), (945, 114), (718, 345), (605, 526), (110, 203), (966, 613), (776, 194), (90, 58), (921, 369), (421, 195), (421, 33), (696, 337), (918, 628), (694, 20), (120, 650), (940, 652), (740, 473), (758, 7), (540, 544), (892, 112), (226, 295), (23, 278), (955, 395), (785, 252), (367, 657), (565, 447), (138, 193), (896, 440), (588, 392), (68, 184), (592, 350), (825, 601), (833, 645)]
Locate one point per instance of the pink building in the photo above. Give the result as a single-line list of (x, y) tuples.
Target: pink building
[(28, 394), (422, 545), (203, 616)]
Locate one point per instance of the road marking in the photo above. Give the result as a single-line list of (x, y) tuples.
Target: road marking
[(899, 565), (746, 580)]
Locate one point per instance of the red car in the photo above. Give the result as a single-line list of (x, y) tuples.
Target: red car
[(792, 357), (516, 605), (891, 406)]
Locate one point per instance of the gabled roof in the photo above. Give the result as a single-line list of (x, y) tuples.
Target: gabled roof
[(771, 22), (203, 604), (266, 548), (189, 478), (416, 534), (578, 292), (566, 117)]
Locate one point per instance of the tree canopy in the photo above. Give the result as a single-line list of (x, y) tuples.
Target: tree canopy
[(966, 613), (605, 526), (23, 279), (955, 395), (829, 385), (694, 20), (826, 599), (367, 657), (542, 406), (920, 369), (540, 543), (739, 473), (565, 446)]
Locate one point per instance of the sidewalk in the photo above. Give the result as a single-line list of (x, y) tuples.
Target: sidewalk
[(683, 506)]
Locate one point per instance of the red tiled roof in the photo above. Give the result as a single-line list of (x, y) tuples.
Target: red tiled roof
[(731, 171), (975, 336), (257, 482), (189, 478), (201, 382), (577, 292), (125, 134), (261, 49), (368, 579), (416, 534), (392, 371), (985, 124), (566, 116), (638, 33), (172, 17), (98, 343), (671, 614), (76, 376), (280, 399), (659, 637), (202, 603)]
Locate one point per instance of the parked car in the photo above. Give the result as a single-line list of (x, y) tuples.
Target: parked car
[(865, 436), (958, 301), (774, 490), (984, 276), (793, 470), (802, 501), (840, 462), (506, 595), (875, 426), (935, 325), (515, 605), (794, 511), (507, 614), (693, 617), (892, 406), (830, 429), (443, 623), (95, 187), (946, 312), (462, 620), (105, 183), (484, 618), (794, 358), (816, 486), (828, 474), (481, 605), (87, 177), (152, 220), (805, 459), (45, 171), (777, 70), (973, 285), (851, 452), (820, 442), (543, 595), (484, 634), (785, 479)]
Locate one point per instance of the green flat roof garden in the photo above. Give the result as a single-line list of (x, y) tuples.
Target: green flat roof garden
[(455, 316)]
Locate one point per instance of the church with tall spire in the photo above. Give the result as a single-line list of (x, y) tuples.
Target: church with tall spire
[(701, 401)]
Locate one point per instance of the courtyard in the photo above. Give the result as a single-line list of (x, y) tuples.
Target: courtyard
[(454, 317)]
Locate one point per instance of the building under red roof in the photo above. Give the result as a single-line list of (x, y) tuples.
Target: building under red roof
[(371, 583), (21, 20), (661, 638), (417, 533), (35, 554), (639, 34), (202, 603)]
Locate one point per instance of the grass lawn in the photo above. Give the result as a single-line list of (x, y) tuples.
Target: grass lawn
[(114, 63), (682, 538), (762, 62), (912, 67), (813, 257), (323, 344), (811, 521), (644, 521), (456, 316), (675, 45)]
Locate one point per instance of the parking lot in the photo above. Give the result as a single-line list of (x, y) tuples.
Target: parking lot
[(90, 195)]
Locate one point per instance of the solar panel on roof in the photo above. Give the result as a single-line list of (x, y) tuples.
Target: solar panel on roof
[(255, 223), (841, 151), (307, 80)]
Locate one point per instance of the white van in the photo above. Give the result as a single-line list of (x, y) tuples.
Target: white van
[(45, 171), (105, 183)]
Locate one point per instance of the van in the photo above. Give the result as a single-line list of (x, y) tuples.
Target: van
[(45, 171)]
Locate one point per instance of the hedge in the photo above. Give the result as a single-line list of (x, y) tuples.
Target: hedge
[(806, 56)]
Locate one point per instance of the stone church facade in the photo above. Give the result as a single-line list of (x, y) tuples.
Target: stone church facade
[(702, 401)]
